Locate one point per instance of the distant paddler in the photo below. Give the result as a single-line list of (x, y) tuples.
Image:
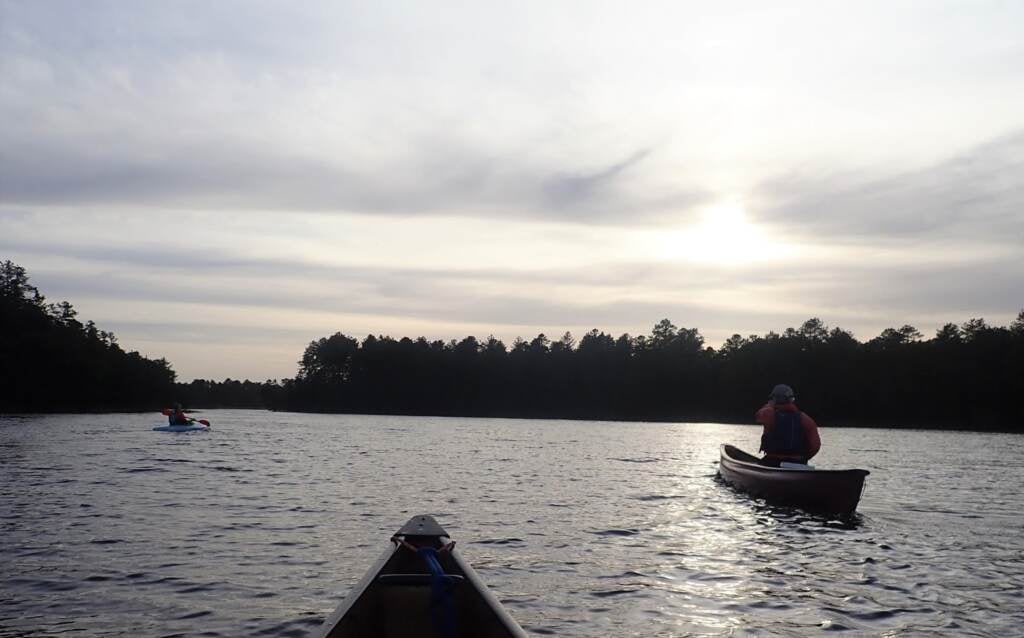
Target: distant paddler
[(177, 416)]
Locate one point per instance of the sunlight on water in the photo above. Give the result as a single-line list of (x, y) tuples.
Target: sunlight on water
[(261, 525)]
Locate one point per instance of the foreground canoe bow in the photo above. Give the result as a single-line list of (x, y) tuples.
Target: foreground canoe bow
[(827, 491), (420, 587)]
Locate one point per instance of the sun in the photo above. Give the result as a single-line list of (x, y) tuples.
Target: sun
[(724, 236)]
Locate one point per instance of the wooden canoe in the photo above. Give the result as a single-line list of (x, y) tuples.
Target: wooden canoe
[(399, 597), (826, 491)]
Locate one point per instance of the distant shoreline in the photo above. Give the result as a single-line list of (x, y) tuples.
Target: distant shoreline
[(845, 424), (967, 377)]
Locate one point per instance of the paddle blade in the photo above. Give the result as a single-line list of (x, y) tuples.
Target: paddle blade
[(204, 422)]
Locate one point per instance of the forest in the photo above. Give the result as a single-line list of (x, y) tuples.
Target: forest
[(52, 362), (968, 376)]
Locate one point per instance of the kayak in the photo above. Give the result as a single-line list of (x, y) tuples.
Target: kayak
[(190, 427), (420, 587), (827, 491)]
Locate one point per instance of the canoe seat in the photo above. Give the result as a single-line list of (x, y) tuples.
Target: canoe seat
[(397, 580)]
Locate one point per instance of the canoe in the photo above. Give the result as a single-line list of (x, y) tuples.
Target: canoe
[(826, 491), (406, 593), (189, 427)]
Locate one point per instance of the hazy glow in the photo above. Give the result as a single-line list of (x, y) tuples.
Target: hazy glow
[(241, 295), (220, 183), (724, 237)]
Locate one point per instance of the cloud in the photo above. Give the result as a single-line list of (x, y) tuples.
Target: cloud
[(853, 284), (538, 114), (572, 190), (263, 309), (206, 333), (228, 174), (118, 107), (978, 194)]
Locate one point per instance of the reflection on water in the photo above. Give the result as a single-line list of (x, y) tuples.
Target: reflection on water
[(261, 525), (784, 513)]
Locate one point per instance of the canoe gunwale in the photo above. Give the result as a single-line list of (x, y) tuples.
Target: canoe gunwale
[(753, 465), (356, 593)]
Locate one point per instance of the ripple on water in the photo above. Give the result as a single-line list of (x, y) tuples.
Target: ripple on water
[(497, 541), (637, 460), (612, 592)]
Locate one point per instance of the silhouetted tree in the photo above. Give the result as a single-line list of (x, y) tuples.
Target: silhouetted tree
[(51, 362)]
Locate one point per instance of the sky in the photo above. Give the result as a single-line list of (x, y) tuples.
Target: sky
[(221, 183)]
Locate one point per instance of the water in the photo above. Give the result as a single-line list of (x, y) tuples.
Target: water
[(260, 526)]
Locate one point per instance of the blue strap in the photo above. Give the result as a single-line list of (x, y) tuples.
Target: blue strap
[(440, 593)]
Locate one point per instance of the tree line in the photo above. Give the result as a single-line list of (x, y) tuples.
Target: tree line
[(229, 393), (968, 376)]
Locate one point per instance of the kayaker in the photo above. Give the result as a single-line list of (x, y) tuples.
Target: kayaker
[(176, 415), (789, 434)]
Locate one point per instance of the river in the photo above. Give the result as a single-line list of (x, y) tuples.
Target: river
[(261, 525)]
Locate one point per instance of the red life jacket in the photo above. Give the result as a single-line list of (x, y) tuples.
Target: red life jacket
[(786, 437)]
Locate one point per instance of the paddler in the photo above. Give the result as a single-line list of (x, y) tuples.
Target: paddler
[(176, 415), (789, 434)]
